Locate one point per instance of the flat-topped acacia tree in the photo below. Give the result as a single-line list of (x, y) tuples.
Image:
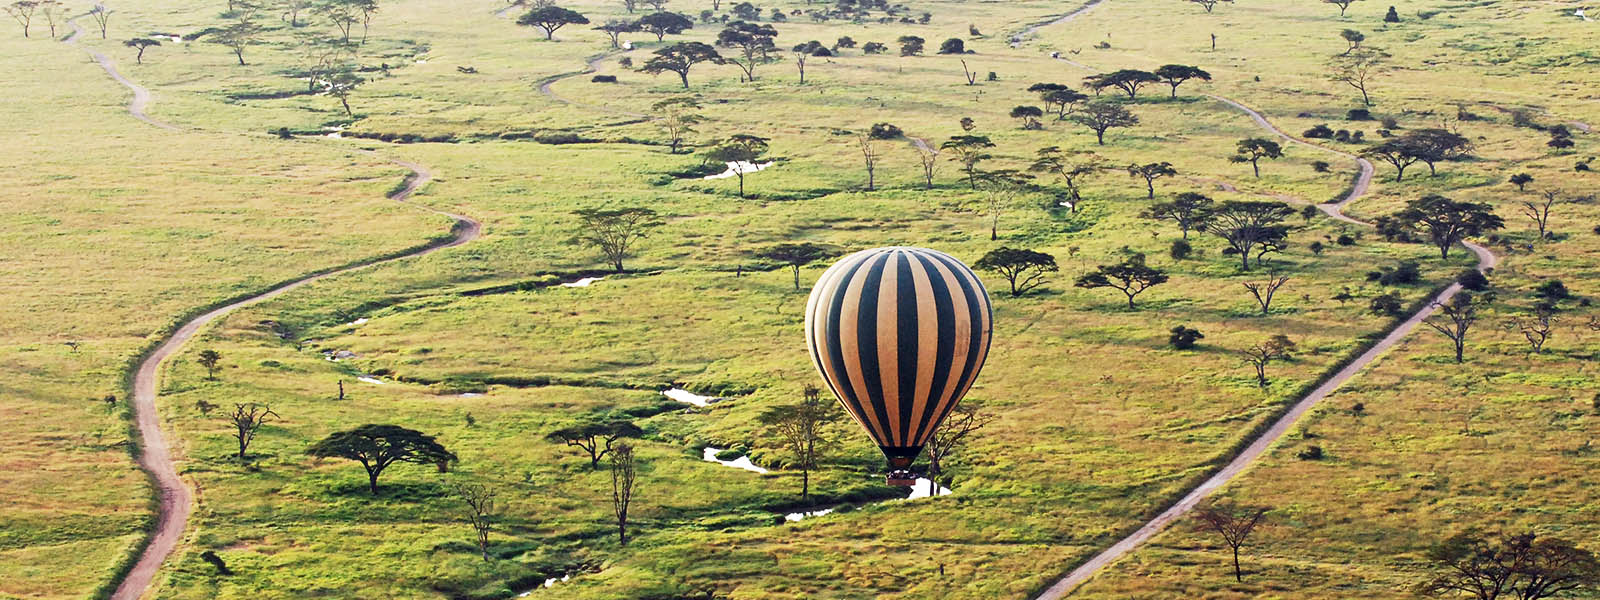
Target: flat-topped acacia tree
[(1024, 269), (754, 41), (1252, 150), (1127, 80), (662, 24), (740, 151), (614, 231), (1072, 168), (1448, 222), (680, 57), (377, 447), (1251, 228), (1176, 75), (796, 255), (550, 18), (1131, 277), (1104, 116), (141, 44)]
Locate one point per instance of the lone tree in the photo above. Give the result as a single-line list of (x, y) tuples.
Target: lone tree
[(911, 45), (377, 447), (340, 84), (209, 359), (1455, 319), (1190, 211), (804, 52), (1434, 145), (796, 255), (1127, 80), (663, 24), (999, 188), (964, 420), (740, 151), (677, 118), (22, 11), (1537, 327), (550, 18), (1263, 291), (595, 438), (614, 231), (238, 36), (1539, 212), (1131, 277), (1023, 269), (101, 17), (1233, 523), (969, 150), (1447, 222), (51, 9), (1150, 173), (1104, 116), (1252, 150), (800, 425), (624, 477), (1353, 38), (928, 156), (1343, 5), (1176, 75), (753, 41), (1521, 566), (481, 510), (1357, 69), (1028, 116), (679, 58), (1057, 98), (614, 29), (1208, 4), (247, 419), (141, 44), (1071, 168), (869, 157), (1251, 227), (1396, 152), (1521, 180), (1277, 347)]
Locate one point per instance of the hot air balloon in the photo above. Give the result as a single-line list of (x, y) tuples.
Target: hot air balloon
[(899, 334)]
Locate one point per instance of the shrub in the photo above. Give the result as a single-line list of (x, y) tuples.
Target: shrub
[(1345, 240), (1321, 131), (625, 62), (1342, 135), (1552, 290), (1357, 137), (1181, 249), (873, 48), (1406, 273), (1184, 338), (283, 133), (953, 46), (1310, 453), (1386, 305), (1391, 123), (1358, 114), (885, 131), (1321, 166), (993, 76), (1358, 408), (1473, 280), (604, 79), (1317, 248)]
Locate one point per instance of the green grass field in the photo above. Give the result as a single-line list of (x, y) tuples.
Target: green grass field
[(115, 229)]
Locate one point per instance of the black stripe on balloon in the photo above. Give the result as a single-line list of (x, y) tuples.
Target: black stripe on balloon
[(975, 336), (906, 317), (867, 345), (830, 334), (945, 310)]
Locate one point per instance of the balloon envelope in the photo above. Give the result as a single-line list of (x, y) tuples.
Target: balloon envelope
[(899, 334)]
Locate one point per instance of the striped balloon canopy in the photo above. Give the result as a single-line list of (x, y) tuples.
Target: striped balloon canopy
[(899, 334)]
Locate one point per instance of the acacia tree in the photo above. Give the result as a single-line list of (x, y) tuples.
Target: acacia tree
[(754, 42), (1252, 150), (1455, 319), (803, 52), (1263, 291), (51, 9), (796, 255), (964, 420), (1104, 116), (101, 18), (22, 11), (1234, 523), (1536, 328), (1433, 145), (140, 44), (340, 84), (1209, 4), (377, 447), (246, 420), (739, 151), (911, 45), (800, 426), (679, 58), (614, 29), (969, 150), (1447, 222), (1521, 180), (1150, 173), (1521, 566), (238, 36), (1028, 116), (595, 438), (1127, 80), (549, 18), (1353, 39), (1176, 75), (929, 157), (1071, 168), (1251, 227), (1343, 5), (664, 23), (1357, 69), (1539, 212), (624, 477), (1131, 277), (481, 510), (999, 187), (614, 231), (677, 119), (1396, 152), (1023, 269), (1057, 98), (209, 359), (869, 155), (1277, 347), (1190, 211), (344, 14)]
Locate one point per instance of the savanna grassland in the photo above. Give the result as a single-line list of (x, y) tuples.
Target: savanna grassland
[(116, 229)]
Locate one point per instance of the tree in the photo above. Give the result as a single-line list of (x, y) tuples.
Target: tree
[(209, 359), (1521, 180), (910, 45), (1234, 523), (657, 4), (969, 150), (1176, 75), (624, 476), (1028, 116), (238, 36), (51, 9), (1353, 38), (1521, 566), (1536, 328), (929, 157), (367, 8), (965, 419), (796, 255), (1057, 98), (1251, 227), (1132, 277), (1358, 68), (1184, 338), (844, 41), (101, 16), (550, 18), (140, 44), (1540, 211), (615, 28), (802, 52), (754, 42), (1150, 173), (1072, 169), (481, 510), (1433, 145), (344, 14), (614, 231), (1252, 150), (1104, 116), (1209, 4), (1190, 211), (738, 151), (1023, 269), (663, 23), (1263, 291), (1127, 80), (800, 426), (873, 48), (1396, 152), (340, 84), (22, 11), (597, 438), (247, 419), (631, 5), (999, 187), (1342, 4), (869, 155), (679, 58), (1455, 319), (377, 447), (1277, 347), (1393, 16), (677, 118), (1447, 222)]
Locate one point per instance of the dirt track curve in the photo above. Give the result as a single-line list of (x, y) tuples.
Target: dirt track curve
[(176, 500)]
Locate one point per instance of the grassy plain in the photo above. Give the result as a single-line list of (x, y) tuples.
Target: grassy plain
[(1100, 422)]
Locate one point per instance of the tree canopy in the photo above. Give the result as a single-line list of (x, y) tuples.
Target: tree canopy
[(664, 23), (1446, 222), (679, 58), (1131, 277), (377, 447), (1024, 269), (1127, 80), (1176, 75), (550, 18)]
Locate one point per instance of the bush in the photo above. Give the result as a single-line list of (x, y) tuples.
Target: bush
[(283, 133), (1184, 338), (1359, 114), (625, 62), (604, 79), (1319, 132), (1321, 166), (1390, 123), (1310, 453), (1473, 280), (1358, 408), (1387, 305), (1406, 273), (953, 46), (1552, 290), (1342, 135), (1181, 249), (885, 131), (1345, 240), (1317, 248)]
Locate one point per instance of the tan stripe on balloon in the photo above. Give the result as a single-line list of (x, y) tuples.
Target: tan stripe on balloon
[(830, 369), (984, 330), (848, 331), (958, 354), (889, 344), (927, 342)]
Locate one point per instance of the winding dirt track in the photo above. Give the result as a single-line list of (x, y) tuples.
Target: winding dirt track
[(590, 66), (176, 500)]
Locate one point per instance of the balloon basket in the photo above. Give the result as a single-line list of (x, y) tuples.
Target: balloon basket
[(901, 478)]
